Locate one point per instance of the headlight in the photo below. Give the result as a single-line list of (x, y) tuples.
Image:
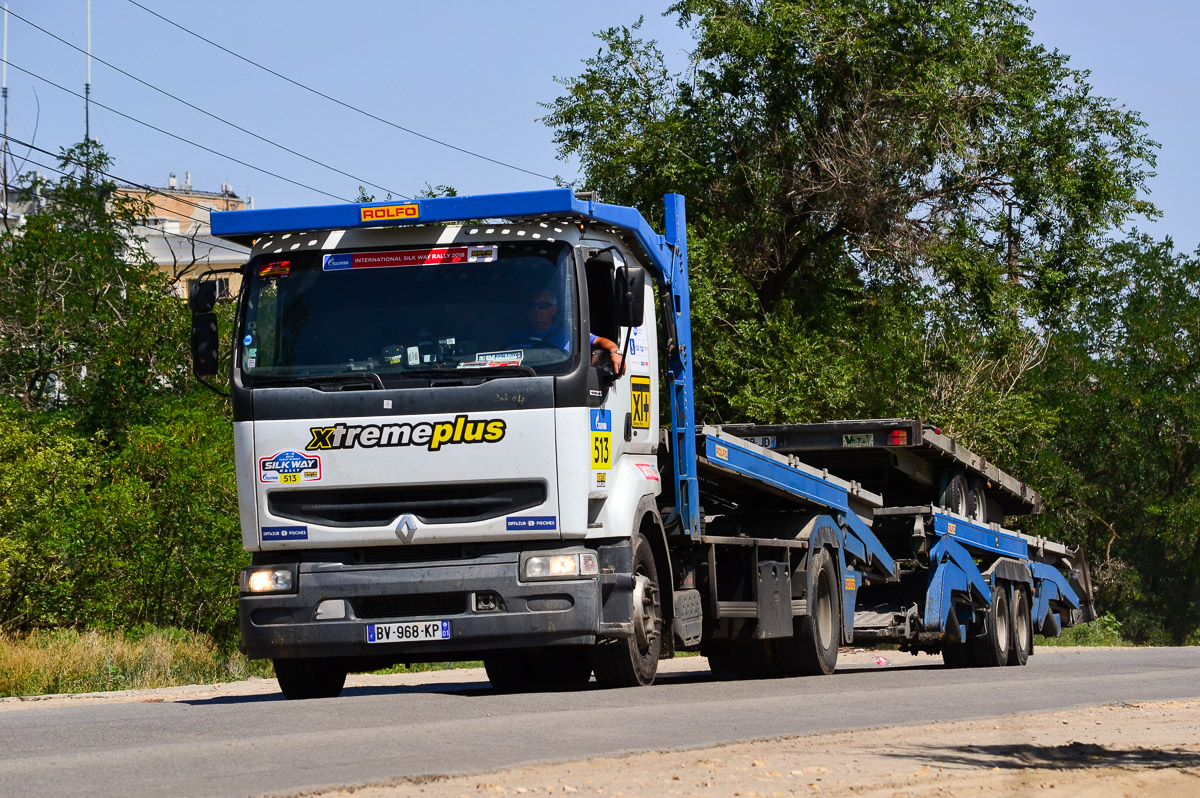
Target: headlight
[(267, 580), (559, 566)]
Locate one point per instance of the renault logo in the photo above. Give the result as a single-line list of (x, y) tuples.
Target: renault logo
[(406, 528)]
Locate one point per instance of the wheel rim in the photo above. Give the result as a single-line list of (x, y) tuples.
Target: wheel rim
[(645, 604), (1021, 621), (1002, 628), (824, 614)]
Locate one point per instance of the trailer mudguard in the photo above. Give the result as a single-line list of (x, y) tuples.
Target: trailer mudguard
[(824, 532), (951, 569), (1050, 587)]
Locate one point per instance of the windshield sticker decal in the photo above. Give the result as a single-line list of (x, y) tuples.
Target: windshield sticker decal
[(487, 359), (279, 268), (285, 533), (532, 522), (289, 468), (431, 435), (429, 256)]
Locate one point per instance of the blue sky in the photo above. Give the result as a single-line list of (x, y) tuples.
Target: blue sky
[(467, 73)]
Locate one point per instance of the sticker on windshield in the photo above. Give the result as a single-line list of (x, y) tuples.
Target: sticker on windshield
[(289, 468), (278, 268), (492, 359), (428, 256)]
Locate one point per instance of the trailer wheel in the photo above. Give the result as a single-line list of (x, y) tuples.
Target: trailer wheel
[(812, 649), (957, 496), (977, 501), (992, 648), (633, 661), (1022, 626), (311, 677)]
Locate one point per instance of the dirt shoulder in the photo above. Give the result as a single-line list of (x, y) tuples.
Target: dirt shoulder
[(1149, 749)]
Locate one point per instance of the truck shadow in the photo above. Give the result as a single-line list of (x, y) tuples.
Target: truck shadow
[(1074, 755)]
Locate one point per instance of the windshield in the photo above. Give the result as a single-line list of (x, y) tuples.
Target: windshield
[(497, 310)]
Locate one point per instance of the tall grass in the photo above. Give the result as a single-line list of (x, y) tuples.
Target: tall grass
[(70, 661), (1104, 631)]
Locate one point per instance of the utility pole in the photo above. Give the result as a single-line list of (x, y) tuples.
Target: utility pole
[(87, 87), (4, 144)]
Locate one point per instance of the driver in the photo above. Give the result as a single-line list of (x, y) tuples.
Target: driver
[(541, 314)]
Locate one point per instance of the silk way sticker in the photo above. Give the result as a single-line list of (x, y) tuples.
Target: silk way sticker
[(532, 522), (289, 468), (285, 533)]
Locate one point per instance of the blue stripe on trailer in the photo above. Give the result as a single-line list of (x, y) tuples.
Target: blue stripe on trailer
[(978, 537), (735, 458)]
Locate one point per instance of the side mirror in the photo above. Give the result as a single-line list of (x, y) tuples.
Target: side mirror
[(205, 343), (631, 296), (202, 296)]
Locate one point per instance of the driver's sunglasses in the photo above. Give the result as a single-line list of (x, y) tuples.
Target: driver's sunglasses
[(540, 305)]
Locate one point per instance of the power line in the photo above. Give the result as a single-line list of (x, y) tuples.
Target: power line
[(342, 103), (191, 237), (180, 138), (209, 113), (109, 175)]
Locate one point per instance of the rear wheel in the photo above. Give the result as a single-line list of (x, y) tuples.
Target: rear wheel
[(957, 496), (633, 661), (812, 649), (1022, 627), (993, 646), (311, 677)]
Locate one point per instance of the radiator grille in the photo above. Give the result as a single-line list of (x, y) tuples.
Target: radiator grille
[(431, 504)]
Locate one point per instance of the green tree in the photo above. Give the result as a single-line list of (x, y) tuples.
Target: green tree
[(1122, 472), (86, 320)]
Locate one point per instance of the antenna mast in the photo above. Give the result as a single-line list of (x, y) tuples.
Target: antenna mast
[(87, 87), (4, 95)]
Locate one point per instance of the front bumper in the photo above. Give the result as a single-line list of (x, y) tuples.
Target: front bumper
[(561, 612)]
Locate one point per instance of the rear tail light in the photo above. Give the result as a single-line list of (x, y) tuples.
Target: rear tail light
[(897, 437)]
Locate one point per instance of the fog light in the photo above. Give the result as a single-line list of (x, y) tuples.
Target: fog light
[(267, 580)]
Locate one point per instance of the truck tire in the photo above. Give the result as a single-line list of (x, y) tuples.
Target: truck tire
[(977, 501), (633, 661), (312, 677), (957, 496), (1022, 627), (992, 648), (812, 650)]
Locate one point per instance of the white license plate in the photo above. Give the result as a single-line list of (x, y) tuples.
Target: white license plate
[(403, 632)]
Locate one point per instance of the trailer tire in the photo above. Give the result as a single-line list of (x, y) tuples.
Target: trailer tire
[(992, 648), (956, 655), (957, 496), (310, 677), (1022, 627), (633, 661), (812, 650), (977, 501)]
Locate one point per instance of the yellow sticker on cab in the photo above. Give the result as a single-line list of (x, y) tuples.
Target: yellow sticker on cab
[(601, 450), (390, 213), (639, 401)]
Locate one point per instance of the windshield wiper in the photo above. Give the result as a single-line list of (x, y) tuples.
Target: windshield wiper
[(345, 381)]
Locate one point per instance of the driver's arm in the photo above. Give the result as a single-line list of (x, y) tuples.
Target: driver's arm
[(599, 342)]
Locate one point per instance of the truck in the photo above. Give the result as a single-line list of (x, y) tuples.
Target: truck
[(465, 429)]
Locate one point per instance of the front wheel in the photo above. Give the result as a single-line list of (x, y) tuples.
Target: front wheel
[(311, 677), (812, 650), (633, 661)]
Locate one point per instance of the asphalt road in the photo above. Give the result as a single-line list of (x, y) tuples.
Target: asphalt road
[(248, 745)]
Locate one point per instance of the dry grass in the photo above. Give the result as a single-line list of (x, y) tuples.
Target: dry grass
[(69, 661)]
